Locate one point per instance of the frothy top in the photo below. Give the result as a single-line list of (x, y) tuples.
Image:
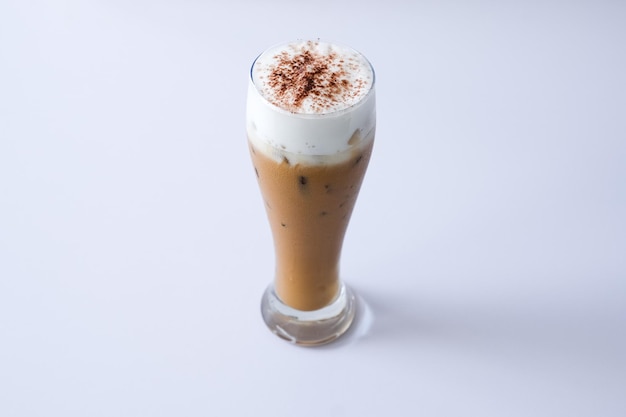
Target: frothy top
[(310, 98), (312, 77)]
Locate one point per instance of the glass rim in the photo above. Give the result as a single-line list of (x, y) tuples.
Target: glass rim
[(333, 113)]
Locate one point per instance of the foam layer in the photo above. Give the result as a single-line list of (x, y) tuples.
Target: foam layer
[(310, 98)]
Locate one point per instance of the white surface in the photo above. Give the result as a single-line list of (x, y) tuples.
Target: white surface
[(488, 241)]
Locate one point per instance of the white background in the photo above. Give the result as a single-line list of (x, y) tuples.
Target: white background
[(488, 243)]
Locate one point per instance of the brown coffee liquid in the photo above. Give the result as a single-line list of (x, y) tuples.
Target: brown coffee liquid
[(309, 207)]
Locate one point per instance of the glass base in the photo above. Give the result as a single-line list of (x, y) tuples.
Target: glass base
[(309, 328)]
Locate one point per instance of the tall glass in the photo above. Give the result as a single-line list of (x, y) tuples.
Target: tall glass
[(311, 119)]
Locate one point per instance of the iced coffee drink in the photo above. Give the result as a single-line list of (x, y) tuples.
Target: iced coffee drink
[(310, 125)]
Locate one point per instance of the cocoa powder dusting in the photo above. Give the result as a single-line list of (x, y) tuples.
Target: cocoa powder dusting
[(321, 79)]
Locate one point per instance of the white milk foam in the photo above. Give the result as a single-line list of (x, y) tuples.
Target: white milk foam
[(339, 114)]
